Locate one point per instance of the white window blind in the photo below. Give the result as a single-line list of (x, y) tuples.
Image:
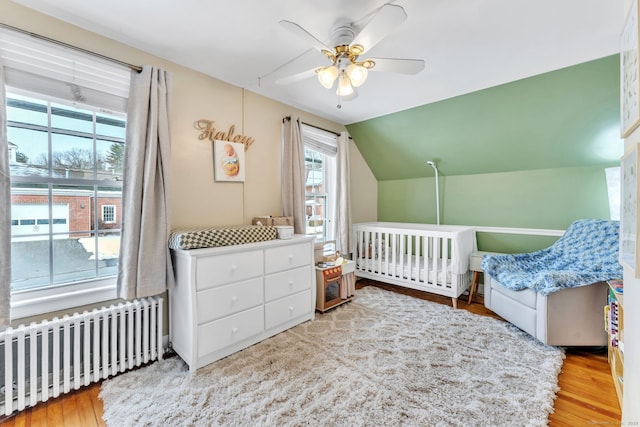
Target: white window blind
[(319, 140), (39, 66)]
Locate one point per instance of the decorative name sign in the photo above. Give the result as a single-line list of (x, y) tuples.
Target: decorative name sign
[(209, 132)]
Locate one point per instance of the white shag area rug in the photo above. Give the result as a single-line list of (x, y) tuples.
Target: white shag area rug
[(385, 359)]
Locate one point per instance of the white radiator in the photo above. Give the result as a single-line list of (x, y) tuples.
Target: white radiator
[(49, 358)]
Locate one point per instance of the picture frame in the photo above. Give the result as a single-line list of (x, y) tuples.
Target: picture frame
[(630, 74), (628, 254), (228, 161)]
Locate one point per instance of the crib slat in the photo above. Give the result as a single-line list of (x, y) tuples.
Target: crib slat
[(377, 251), (417, 257), (445, 258)]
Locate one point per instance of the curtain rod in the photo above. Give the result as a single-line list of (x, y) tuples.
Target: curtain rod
[(69, 46), (314, 126)]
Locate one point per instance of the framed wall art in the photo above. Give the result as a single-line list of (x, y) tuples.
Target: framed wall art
[(629, 211), (228, 161), (629, 74)]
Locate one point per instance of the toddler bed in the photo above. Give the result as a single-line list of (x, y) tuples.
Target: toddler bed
[(427, 257)]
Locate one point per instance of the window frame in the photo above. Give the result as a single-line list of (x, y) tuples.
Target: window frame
[(61, 296), (323, 145)]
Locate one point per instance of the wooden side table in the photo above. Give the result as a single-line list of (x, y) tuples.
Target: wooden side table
[(475, 265)]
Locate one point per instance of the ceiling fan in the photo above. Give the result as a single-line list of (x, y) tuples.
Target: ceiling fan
[(346, 68)]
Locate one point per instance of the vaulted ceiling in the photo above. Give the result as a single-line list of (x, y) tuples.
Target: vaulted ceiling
[(467, 45)]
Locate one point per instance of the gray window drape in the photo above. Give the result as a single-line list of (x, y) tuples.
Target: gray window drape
[(145, 264), (293, 175), (5, 211), (343, 190)]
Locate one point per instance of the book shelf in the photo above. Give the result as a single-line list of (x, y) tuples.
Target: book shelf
[(615, 329)]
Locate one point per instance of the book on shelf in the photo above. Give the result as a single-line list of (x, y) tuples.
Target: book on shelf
[(617, 285)]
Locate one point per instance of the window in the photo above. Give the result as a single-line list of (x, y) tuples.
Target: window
[(320, 149), (66, 118), (68, 161), (109, 214)]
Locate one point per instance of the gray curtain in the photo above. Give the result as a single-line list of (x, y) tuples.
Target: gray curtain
[(293, 174), (5, 211), (343, 190), (145, 264)]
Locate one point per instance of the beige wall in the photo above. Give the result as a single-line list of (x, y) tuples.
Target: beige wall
[(197, 200)]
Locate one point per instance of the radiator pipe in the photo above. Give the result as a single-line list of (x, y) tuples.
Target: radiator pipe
[(435, 168)]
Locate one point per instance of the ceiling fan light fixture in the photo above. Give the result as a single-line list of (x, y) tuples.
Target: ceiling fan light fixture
[(356, 49), (344, 85), (327, 76), (357, 74)]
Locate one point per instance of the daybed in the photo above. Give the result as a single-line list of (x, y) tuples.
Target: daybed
[(557, 294), (432, 258)]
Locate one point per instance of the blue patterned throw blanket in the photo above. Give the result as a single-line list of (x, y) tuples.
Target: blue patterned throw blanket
[(587, 253)]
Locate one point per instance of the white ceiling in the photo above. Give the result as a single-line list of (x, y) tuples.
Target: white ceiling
[(467, 44)]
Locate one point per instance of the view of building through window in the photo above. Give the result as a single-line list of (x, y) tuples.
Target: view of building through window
[(66, 193), (315, 196)]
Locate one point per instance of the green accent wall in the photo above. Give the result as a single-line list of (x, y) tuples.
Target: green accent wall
[(564, 118), (527, 154), (549, 198)]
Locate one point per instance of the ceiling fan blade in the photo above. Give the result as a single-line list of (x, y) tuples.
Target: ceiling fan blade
[(296, 77), (388, 18), (305, 35), (402, 66)]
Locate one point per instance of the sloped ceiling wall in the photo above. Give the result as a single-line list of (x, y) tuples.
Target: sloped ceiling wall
[(565, 118)]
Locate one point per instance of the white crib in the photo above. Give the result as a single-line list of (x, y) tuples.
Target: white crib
[(432, 258)]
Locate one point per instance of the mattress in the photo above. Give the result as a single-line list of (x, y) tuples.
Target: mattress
[(372, 266), (196, 238)]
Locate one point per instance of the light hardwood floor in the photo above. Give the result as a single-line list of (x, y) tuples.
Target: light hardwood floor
[(586, 398)]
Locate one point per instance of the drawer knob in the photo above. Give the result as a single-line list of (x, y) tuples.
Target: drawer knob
[(234, 267), (234, 330), (234, 299), (290, 308), (290, 257), (290, 283)]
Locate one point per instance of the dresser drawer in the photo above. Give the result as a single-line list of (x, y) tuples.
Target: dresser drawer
[(289, 308), (221, 333), (287, 282), (286, 257), (224, 300), (217, 270)]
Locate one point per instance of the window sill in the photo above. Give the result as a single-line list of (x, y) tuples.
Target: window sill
[(36, 302)]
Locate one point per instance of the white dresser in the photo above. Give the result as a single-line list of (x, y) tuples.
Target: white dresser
[(228, 298)]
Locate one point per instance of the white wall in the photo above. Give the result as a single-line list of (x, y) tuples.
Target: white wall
[(631, 392), (631, 397)]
